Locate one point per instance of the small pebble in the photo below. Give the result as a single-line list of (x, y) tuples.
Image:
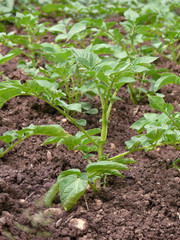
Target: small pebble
[(78, 223), (49, 156), (64, 120)]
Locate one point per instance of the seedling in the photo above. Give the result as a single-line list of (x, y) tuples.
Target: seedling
[(6, 6), (108, 79), (123, 47), (30, 41)]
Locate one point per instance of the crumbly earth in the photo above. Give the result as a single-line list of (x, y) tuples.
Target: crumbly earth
[(145, 205)]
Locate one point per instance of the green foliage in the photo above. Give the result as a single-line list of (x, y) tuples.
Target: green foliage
[(166, 78), (160, 129), (9, 56), (71, 188), (175, 164), (30, 41), (115, 56), (6, 6)]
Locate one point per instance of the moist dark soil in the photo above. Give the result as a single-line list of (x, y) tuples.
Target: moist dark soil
[(145, 205)]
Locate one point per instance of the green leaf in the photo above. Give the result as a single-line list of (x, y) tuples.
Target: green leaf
[(125, 160), (171, 136), (92, 111), (86, 57), (9, 56), (51, 194), (139, 125), (136, 141), (71, 188), (104, 165), (1, 151), (51, 48), (9, 136), (167, 79), (139, 69), (50, 130), (145, 59), (7, 92), (175, 164), (112, 172), (156, 133), (76, 28), (51, 140), (123, 81), (74, 107), (131, 15), (159, 104), (8, 6), (69, 172), (93, 131), (55, 131), (81, 122), (48, 8), (71, 142), (61, 37), (46, 84), (58, 28)]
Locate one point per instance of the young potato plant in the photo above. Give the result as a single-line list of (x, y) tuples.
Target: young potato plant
[(167, 39), (68, 74), (107, 77), (28, 43), (82, 9), (121, 47), (9, 56), (163, 31), (6, 6), (157, 129)]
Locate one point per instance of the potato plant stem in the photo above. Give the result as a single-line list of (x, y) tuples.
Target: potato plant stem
[(118, 41), (132, 40), (132, 94), (12, 146), (71, 119), (94, 188), (111, 104), (143, 148), (105, 120)]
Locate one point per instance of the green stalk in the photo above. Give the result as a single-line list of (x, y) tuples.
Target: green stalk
[(94, 188), (105, 181), (172, 120), (12, 146), (132, 40), (67, 90), (175, 164), (111, 104), (31, 37), (70, 118), (143, 148), (132, 94), (117, 41), (104, 121)]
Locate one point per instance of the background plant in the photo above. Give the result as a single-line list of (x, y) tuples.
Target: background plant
[(28, 43), (122, 47)]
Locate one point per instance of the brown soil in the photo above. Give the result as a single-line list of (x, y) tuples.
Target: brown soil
[(143, 206)]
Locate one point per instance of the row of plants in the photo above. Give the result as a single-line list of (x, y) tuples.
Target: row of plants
[(73, 70)]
